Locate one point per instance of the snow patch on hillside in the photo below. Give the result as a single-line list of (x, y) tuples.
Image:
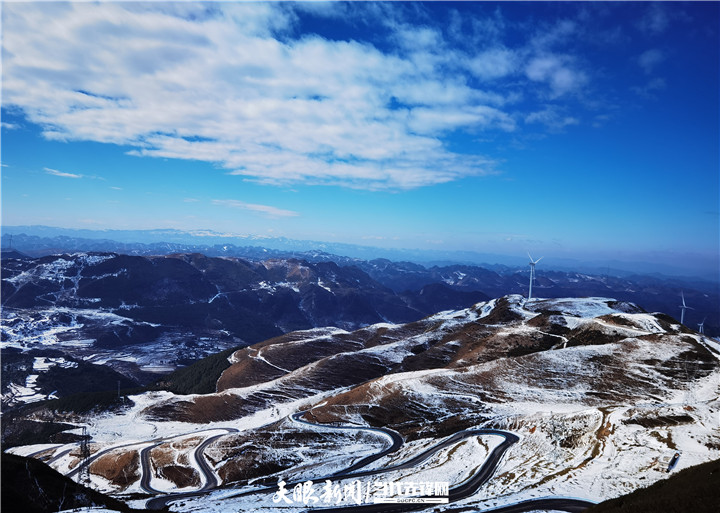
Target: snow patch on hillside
[(576, 307)]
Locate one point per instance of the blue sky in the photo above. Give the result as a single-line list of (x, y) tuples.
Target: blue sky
[(565, 129)]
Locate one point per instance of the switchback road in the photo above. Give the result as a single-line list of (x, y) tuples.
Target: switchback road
[(457, 493), (395, 438)]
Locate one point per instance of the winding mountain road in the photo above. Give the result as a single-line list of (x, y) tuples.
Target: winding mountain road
[(146, 467), (99, 454), (211, 481), (395, 438), (160, 502), (456, 493), (54, 458)]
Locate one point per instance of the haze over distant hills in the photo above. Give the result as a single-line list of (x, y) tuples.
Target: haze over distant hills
[(40, 240), (399, 270)]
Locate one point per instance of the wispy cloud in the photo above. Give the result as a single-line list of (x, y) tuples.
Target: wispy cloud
[(494, 63), (650, 59), (264, 210), (655, 20), (558, 72), (651, 89), (552, 117), (63, 174), (379, 237), (234, 85)]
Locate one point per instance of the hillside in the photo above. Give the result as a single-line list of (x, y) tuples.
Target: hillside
[(29, 486), (102, 321), (135, 318), (592, 397), (695, 489)]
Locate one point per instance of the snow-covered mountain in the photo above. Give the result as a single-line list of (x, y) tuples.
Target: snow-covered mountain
[(139, 316), (45, 240), (585, 398), (404, 271)]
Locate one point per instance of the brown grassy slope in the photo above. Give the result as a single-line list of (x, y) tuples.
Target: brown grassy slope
[(243, 456), (279, 356), (171, 461), (492, 356), (594, 375), (400, 408), (121, 467)]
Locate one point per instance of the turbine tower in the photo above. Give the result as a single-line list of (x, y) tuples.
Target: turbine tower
[(532, 274), (701, 327), (683, 308)]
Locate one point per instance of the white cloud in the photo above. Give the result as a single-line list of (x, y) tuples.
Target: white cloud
[(229, 83), (559, 33), (556, 71), (415, 38), (494, 63), (650, 59), (552, 117), (433, 120), (378, 237), (655, 20), (651, 89), (264, 210), (62, 174)]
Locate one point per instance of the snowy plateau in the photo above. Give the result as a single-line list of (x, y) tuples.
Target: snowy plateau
[(577, 398)]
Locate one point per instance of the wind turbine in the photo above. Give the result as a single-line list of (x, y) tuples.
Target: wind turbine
[(684, 307), (532, 274), (701, 327)]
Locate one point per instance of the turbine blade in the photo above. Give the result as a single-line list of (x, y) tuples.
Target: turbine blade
[(529, 256), (536, 261)]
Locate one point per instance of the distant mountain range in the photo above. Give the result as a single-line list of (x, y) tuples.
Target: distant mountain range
[(652, 292), (44, 240), (148, 307), (135, 317), (142, 315)]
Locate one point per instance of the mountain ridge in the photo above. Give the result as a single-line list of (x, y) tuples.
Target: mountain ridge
[(39, 240), (142, 316)]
